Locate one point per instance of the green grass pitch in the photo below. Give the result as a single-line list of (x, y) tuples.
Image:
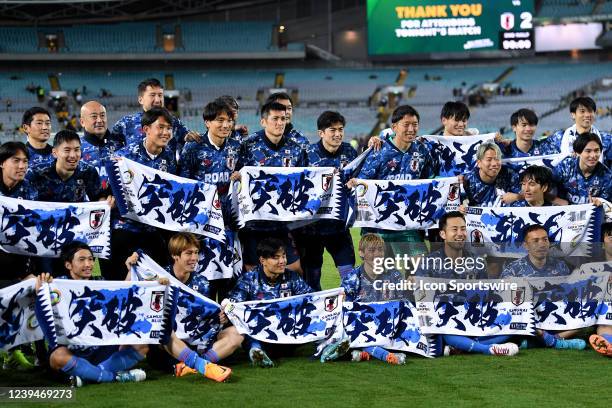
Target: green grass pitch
[(536, 377)]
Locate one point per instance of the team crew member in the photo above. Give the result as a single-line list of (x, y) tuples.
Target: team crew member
[(448, 263), (535, 183), (98, 143), (583, 179), (270, 149), (36, 124), (524, 123), (127, 236), (151, 95), (332, 235), (490, 183), (364, 284)]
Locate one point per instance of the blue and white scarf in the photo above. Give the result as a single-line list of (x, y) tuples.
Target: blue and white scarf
[(287, 194), (518, 164), (164, 200), (604, 314), (403, 205), (457, 154), (292, 320), (18, 323), (99, 313), (221, 260), (197, 317), (448, 308), (500, 229), (569, 302), (41, 228)]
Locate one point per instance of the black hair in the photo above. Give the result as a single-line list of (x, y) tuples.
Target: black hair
[(606, 229), (153, 114), (540, 174), (275, 97), (328, 118), (68, 250), (457, 110), (402, 111), (28, 115), (527, 114), (215, 108), (152, 82), (583, 139), (272, 106), (532, 227), (269, 247), (65, 136), (10, 149), (585, 101), (451, 214), (229, 100)]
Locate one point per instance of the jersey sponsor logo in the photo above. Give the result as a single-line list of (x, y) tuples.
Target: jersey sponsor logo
[(392, 164), (206, 162)]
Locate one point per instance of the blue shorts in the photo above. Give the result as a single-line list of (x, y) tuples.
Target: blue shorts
[(94, 354)]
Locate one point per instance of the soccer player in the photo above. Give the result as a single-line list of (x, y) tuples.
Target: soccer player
[(36, 124), (95, 364), (403, 157), (270, 149), (127, 236), (602, 341), (271, 279), (332, 235), (538, 263), (535, 183), (289, 132), (238, 131), (453, 261), (582, 179), (360, 286), (184, 248), (584, 112), (213, 160), (151, 95), (454, 118), (13, 168), (490, 183), (524, 123), (98, 143), (67, 179)]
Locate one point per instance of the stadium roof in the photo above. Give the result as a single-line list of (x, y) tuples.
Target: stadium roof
[(96, 11)]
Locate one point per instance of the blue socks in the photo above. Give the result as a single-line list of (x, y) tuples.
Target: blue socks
[(377, 352), (549, 339), (88, 372), (121, 360), (466, 344), (212, 356), (493, 339), (607, 337), (192, 360)]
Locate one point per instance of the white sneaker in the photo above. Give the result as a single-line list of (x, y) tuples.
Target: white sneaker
[(133, 375), (505, 349)]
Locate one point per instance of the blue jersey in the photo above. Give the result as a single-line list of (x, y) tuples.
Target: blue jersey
[(130, 128), (22, 190), (540, 147), (359, 287), (524, 268), (575, 188), (566, 145), (205, 162), (39, 157), (390, 163), (524, 203), (291, 134), (165, 161), (438, 265), (83, 185), (254, 285), (196, 281), (258, 150), (481, 194), (96, 152)]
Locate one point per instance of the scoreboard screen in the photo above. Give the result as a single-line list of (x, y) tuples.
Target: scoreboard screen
[(418, 28)]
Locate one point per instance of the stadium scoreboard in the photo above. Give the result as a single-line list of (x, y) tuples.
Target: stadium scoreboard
[(438, 28)]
